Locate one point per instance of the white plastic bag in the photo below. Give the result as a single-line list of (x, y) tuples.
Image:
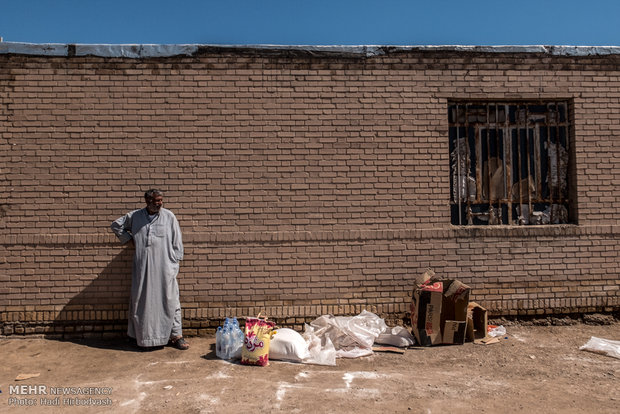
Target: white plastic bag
[(396, 336), (351, 336), (497, 331), (321, 351), (288, 345), (603, 347)]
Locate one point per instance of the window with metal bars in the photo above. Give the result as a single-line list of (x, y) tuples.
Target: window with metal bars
[(509, 163)]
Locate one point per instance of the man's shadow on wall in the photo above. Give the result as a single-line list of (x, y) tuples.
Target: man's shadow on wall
[(97, 315)]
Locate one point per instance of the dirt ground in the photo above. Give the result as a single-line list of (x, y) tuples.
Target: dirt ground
[(534, 369)]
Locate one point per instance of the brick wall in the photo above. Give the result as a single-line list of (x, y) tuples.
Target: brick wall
[(304, 185)]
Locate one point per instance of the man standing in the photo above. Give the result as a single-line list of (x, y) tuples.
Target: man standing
[(154, 307)]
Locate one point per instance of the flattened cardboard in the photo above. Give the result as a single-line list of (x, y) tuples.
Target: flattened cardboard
[(487, 341), (384, 348)]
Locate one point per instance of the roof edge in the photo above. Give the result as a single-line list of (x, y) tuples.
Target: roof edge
[(140, 51)]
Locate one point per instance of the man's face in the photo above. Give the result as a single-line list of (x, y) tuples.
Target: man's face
[(153, 204)]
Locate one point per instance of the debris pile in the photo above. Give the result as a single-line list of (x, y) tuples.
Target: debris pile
[(441, 314)]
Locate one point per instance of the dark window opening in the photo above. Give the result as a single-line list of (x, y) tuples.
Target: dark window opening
[(509, 163)]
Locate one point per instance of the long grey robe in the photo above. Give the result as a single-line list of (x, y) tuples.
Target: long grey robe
[(154, 308)]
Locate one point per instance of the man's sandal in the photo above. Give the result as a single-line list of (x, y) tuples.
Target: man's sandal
[(179, 343)]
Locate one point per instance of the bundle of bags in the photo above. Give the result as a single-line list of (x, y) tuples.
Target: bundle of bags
[(325, 339)]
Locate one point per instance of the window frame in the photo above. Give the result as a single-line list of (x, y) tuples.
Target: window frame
[(532, 135)]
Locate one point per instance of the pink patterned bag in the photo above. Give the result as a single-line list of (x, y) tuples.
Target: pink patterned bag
[(258, 333)]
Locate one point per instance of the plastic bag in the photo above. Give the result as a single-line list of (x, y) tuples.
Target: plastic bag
[(495, 331), (258, 333), (396, 336), (602, 346), (351, 336), (321, 351)]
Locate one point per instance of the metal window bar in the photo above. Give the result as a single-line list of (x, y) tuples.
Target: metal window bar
[(487, 186), (457, 183)]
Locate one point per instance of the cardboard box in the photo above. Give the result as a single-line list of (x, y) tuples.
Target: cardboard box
[(477, 322), (439, 310)]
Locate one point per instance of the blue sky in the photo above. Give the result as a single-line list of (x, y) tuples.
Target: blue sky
[(321, 22)]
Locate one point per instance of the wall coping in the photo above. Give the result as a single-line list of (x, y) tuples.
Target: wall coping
[(142, 51)]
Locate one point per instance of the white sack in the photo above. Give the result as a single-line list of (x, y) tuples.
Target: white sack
[(396, 336), (288, 345)]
